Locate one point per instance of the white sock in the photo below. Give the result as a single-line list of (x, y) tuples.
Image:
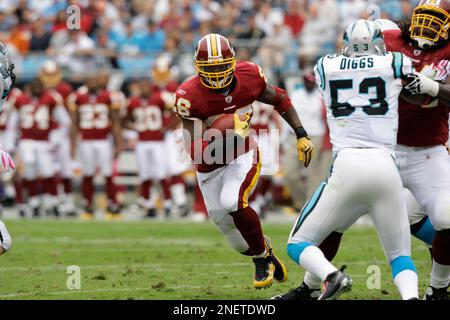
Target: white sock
[(313, 260), (178, 192), (440, 275), (408, 284), (34, 202), (261, 255), (167, 204), (312, 281)]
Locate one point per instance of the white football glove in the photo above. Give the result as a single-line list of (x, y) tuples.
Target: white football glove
[(5, 238), (6, 160), (417, 83)]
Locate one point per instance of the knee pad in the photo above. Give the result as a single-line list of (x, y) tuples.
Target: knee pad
[(402, 263), (294, 250), (441, 216), (228, 201)]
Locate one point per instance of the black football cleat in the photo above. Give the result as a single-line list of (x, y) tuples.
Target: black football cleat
[(280, 273), (22, 213), (264, 270), (303, 292), (335, 284), (36, 212), (436, 294), (151, 213)]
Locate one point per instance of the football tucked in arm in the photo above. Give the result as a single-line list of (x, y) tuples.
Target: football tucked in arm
[(223, 123)]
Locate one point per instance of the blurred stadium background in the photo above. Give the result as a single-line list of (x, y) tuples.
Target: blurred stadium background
[(153, 40), (144, 39)]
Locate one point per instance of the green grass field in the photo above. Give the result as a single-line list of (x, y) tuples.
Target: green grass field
[(166, 260)]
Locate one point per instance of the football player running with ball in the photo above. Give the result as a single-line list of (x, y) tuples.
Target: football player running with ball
[(360, 88), (7, 78), (423, 160), (226, 88)]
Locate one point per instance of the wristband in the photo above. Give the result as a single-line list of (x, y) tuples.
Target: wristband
[(300, 132)]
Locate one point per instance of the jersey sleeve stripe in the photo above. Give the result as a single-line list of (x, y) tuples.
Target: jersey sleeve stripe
[(397, 64), (321, 71)]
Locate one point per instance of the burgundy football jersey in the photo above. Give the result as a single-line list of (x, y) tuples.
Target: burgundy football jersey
[(35, 114), (94, 112), (420, 127), (195, 101), (149, 119)]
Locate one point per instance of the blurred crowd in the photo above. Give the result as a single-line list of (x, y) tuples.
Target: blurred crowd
[(127, 35), (149, 44)]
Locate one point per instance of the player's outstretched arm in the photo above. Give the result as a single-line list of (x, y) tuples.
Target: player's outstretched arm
[(282, 103)]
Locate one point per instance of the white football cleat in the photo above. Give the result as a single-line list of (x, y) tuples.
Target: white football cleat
[(5, 238)]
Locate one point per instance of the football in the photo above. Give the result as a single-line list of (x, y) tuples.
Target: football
[(224, 122)]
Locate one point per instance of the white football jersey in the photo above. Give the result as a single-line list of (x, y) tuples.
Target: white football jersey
[(361, 95)]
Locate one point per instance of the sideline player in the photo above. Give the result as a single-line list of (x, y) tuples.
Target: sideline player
[(145, 115), (51, 76), (95, 116), (423, 131), (224, 86), (361, 88), (34, 115)]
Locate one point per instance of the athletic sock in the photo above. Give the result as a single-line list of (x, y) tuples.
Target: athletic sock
[(407, 284), (312, 281), (441, 258), (329, 248), (111, 190), (313, 260), (87, 190), (247, 222)]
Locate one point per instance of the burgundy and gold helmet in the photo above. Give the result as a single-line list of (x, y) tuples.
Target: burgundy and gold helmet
[(50, 74), (430, 23), (215, 61)]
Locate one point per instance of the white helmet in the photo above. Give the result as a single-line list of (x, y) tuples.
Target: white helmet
[(386, 24), (6, 65), (362, 38)]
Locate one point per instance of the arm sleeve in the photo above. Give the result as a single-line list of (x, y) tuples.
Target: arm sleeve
[(407, 66), (401, 65), (319, 73)]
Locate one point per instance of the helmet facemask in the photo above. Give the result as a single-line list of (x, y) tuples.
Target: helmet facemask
[(216, 74), (429, 26)]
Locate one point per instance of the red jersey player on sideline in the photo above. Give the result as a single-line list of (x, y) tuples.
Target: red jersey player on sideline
[(51, 76), (33, 115), (95, 115), (421, 153), (224, 86), (145, 114), (164, 86)]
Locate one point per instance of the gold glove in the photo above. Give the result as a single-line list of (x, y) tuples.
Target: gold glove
[(242, 127), (305, 150)]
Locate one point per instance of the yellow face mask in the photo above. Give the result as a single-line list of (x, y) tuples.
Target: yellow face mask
[(216, 74), (430, 24)]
